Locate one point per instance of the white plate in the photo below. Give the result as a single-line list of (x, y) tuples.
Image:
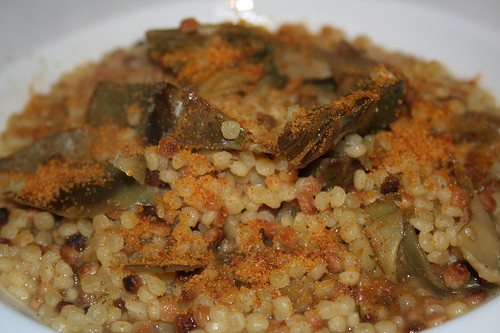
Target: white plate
[(40, 41)]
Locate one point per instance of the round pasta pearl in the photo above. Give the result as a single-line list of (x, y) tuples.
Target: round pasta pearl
[(360, 179), (230, 129), (337, 196), (156, 286), (283, 308), (349, 278), (256, 323), (44, 221)]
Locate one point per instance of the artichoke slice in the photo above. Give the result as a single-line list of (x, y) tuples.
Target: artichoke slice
[(205, 58), (396, 245), (251, 40), (118, 191), (385, 233), (71, 144), (413, 261), (163, 109), (480, 243), (142, 106), (345, 67), (59, 174), (313, 132), (198, 124)]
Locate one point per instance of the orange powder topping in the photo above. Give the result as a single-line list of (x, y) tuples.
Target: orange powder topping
[(412, 140)]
